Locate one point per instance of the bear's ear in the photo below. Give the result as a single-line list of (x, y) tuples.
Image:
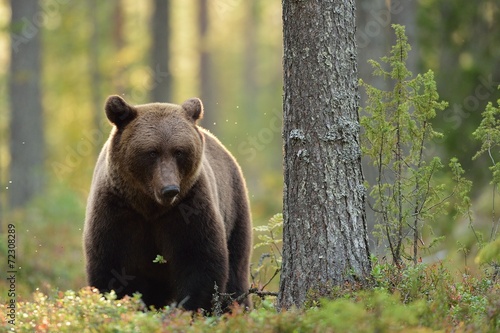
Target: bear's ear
[(194, 108), (118, 111)]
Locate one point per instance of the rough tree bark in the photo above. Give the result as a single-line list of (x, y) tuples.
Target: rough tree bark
[(324, 236), (26, 122)]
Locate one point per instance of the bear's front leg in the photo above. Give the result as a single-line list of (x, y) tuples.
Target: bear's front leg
[(200, 260), (196, 279)]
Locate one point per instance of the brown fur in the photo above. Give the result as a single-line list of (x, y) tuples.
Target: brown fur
[(204, 232)]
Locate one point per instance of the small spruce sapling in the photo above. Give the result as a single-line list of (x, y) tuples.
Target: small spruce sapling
[(488, 133), (397, 129)]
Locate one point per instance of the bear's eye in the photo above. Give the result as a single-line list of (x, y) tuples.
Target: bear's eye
[(153, 154), (178, 153)]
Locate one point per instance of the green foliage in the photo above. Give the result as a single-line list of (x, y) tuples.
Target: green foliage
[(488, 133), (456, 41), (159, 259), (85, 311), (373, 311), (490, 253), (397, 131), (49, 242), (270, 262), (274, 230), (447, 302), (418, 298)]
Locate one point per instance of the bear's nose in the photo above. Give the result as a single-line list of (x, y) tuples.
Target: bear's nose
[(170, 191)]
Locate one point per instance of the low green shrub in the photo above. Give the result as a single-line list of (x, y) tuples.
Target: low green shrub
[(421, 298)]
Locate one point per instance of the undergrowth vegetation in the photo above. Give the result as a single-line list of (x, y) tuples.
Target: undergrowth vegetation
[(403, 294), (421, 298)]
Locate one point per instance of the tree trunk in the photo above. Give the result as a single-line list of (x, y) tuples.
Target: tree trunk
[(324, 236), (373, 28), (26, 122), (250, 55), (207, 82), (160, 49), (118, 43), (94, 70)]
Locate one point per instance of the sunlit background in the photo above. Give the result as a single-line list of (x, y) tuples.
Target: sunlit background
[(92, 49)]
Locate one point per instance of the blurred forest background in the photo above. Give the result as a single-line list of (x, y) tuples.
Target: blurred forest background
[(60, 59)]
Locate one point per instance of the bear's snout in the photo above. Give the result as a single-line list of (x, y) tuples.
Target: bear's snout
[(170, 191), (167, 195)]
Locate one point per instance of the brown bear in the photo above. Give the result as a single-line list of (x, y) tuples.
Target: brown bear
[(164, 186)]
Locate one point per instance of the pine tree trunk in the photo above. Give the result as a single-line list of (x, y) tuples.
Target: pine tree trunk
[(324, 236), (26, 122)]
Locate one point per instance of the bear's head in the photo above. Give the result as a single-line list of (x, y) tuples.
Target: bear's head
[(156, 149)]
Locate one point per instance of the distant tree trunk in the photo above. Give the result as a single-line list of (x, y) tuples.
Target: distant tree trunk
[(26, 122), (206, 78), (373, 28), (324, 236), (94, 70), (160, 51), (250, 53), (119, 42)]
